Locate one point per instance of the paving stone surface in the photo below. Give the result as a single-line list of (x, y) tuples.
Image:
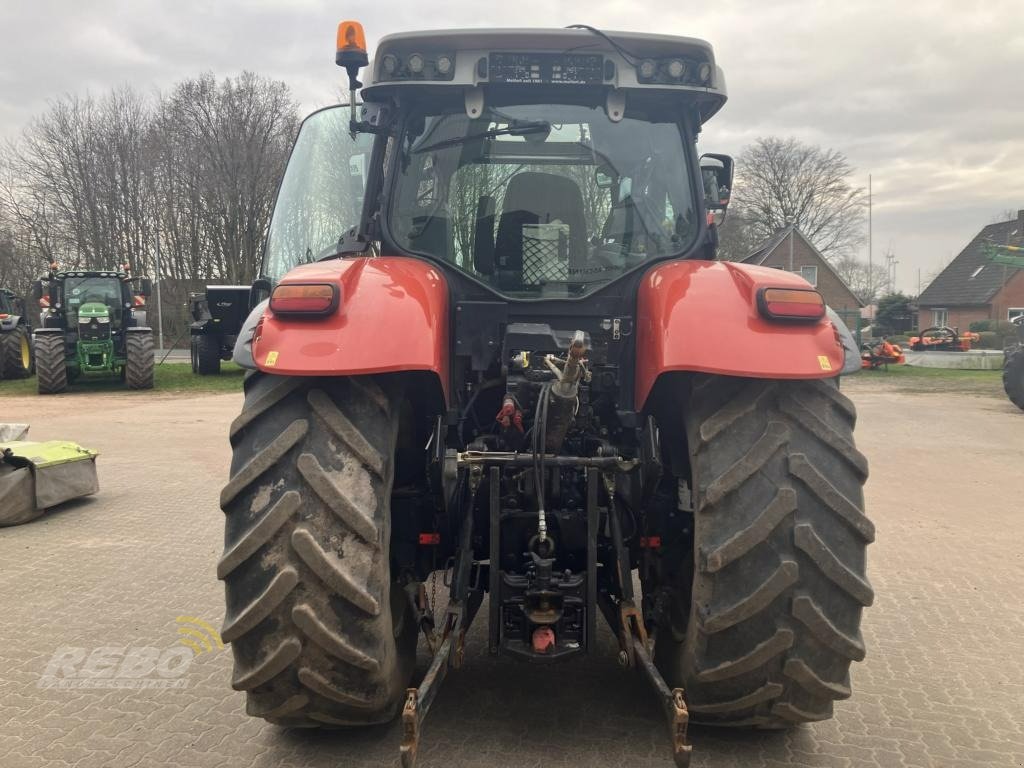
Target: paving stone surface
[(943, 683)]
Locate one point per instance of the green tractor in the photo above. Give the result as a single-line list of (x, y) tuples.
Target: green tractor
[(92, 322), (15, 348)]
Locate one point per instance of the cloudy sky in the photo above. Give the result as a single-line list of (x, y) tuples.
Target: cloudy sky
[(926, 96)]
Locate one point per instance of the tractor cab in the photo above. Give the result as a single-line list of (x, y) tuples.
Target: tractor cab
[(531, 164), (92, 302)]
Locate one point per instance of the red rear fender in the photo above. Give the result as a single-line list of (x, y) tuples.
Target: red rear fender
[(392, 316), (703, 316)]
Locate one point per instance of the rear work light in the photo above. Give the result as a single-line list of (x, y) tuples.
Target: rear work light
[(791, 304), (304, 299)]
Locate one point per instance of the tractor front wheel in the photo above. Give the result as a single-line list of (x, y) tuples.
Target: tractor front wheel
[(16, 353), (1013, 375), (207, 354), (322, 634), (768, 632), (51, 367), (138, 369)]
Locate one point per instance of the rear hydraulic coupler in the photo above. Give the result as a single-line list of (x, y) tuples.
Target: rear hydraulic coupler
[(563, 393)]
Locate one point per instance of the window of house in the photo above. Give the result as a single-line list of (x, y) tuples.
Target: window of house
[(810, 274), (1014, 312), (940, 317)]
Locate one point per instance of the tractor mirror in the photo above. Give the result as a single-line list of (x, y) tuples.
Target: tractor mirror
[(260, 290), (716, 172), (603, 178)]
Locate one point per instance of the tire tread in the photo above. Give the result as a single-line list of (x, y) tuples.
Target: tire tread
[(780, 539), (306, 563), (51, 366), (11, 366), (1013, 375), (139, 364)]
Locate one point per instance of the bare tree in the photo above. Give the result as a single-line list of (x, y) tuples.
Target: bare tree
[(24, 239), (784, 181), (737, 235), (866, 284), (94, 182), (1007, 214), (79, 178), (239, 131)]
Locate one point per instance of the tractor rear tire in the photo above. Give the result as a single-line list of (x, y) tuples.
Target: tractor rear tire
[(1013, 375), (51, 367), (16, 352), (780, 548), (207, 355), (321, 634), (139, 366)]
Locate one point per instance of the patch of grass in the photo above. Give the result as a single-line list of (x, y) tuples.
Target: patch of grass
[(169, 377), (950, 374), (909, 378), (178, 377)]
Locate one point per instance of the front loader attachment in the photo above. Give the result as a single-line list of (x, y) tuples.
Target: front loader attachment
[(37, 476)]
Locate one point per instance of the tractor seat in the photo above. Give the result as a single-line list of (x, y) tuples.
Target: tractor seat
[(542, 231)]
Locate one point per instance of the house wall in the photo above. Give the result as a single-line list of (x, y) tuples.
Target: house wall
[(1010, 295), (959, 317), (832, 289)]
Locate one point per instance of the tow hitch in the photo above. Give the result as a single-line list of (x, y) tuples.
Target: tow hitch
[(467, 594)]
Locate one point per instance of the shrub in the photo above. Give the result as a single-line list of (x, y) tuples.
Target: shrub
[(989, 340), (980, 326)]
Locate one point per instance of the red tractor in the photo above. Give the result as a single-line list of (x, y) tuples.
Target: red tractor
[(497, 345)]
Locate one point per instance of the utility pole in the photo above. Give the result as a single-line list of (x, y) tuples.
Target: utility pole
[(890, 270), (871, 268), (159, 303)]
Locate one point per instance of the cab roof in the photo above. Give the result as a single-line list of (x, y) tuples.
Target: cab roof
[(622, 52)]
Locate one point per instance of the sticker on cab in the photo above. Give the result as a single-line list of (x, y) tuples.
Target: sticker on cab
[(823, 361), (271, 360)]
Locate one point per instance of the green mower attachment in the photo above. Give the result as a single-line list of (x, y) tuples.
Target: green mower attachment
[(37, 476)]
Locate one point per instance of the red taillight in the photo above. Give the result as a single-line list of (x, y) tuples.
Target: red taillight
[(791, 304), (430, 539), (304, 299), (4, 315)]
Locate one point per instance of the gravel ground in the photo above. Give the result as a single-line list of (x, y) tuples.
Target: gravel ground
[(943, 684)]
